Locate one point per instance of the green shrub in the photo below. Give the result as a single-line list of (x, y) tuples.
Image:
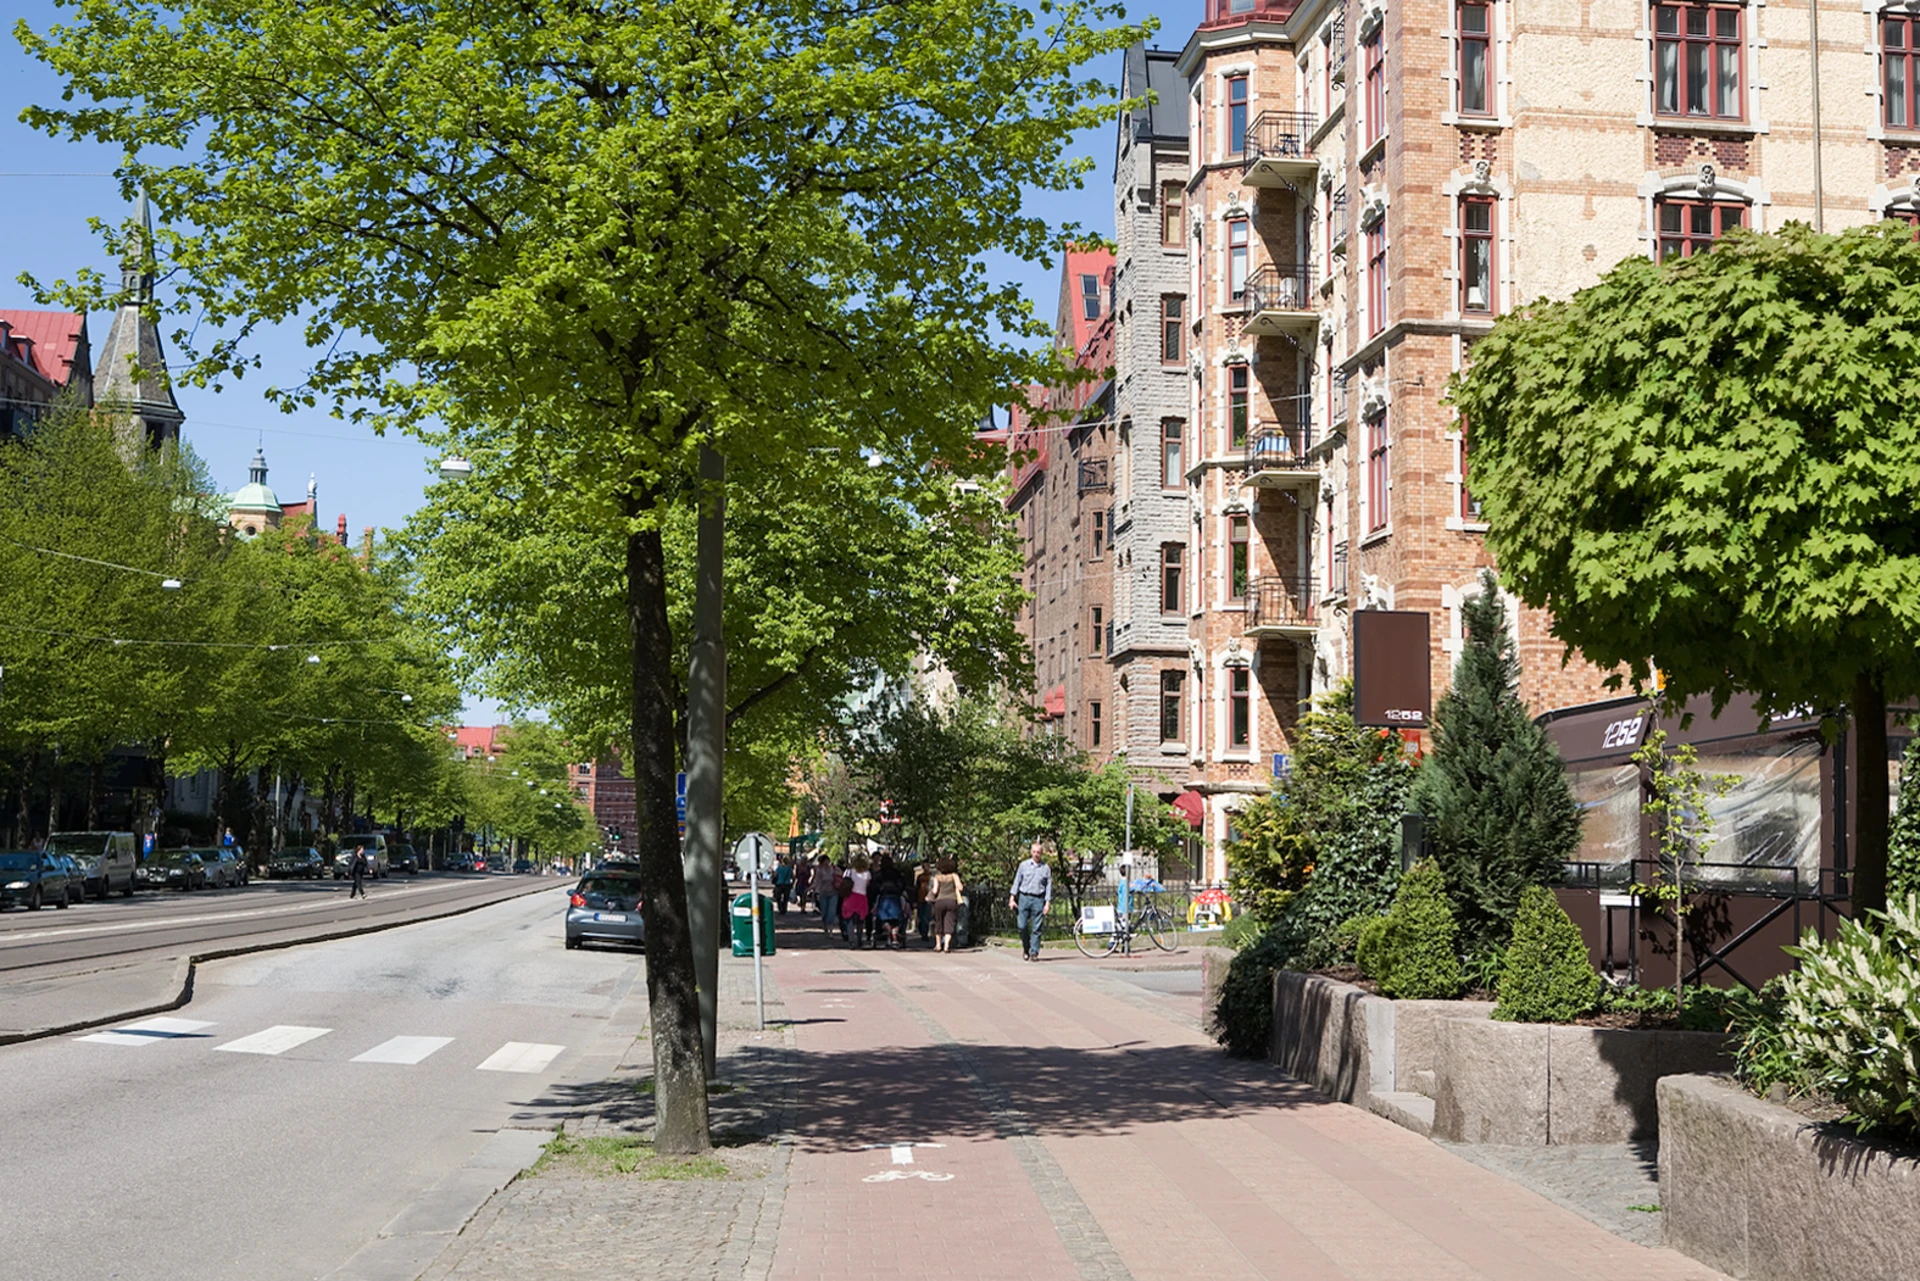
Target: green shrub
[(1850, 1018), (1243, 1019), (1244, 930), (1418, 947), (1761, 1058), (1370, 945), (1547, 977)]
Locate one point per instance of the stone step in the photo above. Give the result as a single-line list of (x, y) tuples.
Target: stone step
[(1423, 1082), (1410, 1111)]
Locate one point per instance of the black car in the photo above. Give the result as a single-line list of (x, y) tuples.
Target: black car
[(76, 875), (401, 858), (605, 908), (521, 866), (33, 878), (175, 869), (297, 862)]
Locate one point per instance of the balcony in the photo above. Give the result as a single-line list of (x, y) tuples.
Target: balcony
[(1276, 152), (1093, 475), (1279, 455), (1280, 608), (1337, 51), (1279, 302)]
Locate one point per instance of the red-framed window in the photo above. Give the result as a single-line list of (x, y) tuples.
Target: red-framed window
[(1909, 216), (1378, 458), (1173, 463), (1689, 227), (1237, 555), (1377, 277), (1697, 60), (1236, 114), (1173, 214), (1239, 385), (1897, 70), (1474, 18), (1173, 316), (1237, 258), (1172, 688), (1477, 259), (1373, 52), (1240, 711), (1173, 563)]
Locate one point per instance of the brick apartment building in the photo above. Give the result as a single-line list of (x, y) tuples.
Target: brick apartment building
[(1369, 185)]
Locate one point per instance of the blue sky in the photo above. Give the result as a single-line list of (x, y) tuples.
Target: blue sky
[(374, 480)]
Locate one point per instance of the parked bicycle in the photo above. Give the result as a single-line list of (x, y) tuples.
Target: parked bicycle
[(1104, 931)]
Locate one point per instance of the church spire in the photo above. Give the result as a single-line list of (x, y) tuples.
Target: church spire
[(257, 469), (136, 273), (130, 372)]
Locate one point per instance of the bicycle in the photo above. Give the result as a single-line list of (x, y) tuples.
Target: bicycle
[(1151, 921)]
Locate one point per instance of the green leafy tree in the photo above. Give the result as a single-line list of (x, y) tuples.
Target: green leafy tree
[(1547, 977), (1493, 792), (1903, 844), (1680, 805), (617, 232), (1705, 466)]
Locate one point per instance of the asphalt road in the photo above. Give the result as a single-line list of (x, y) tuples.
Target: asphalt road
[(276, 1123), (169, 921)]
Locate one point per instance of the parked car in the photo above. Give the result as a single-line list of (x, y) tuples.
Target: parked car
[(106, 859), (33, 878), (76, 876), (605, 908), (521, 866), (176, 869), (222, 866), (375, 844), (297, 862), (401, 858)]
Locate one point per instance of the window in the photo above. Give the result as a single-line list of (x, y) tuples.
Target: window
[(1090, 297), (1173, 310), (1171, 684), (1099, 534), (1093, 724), (1238, 379), (1236, 114), (1689, 227), (1172, 560), (1376, 79), (1173, 215), (1237, 259), (1237, 556), (1696, 60), (1240, 715), (1476, 254), (1896, 62), (1377, 277), (1099, 630), (1377, 459), (1476, 41), (1469, 505), (1909, 216), (1173, 470)]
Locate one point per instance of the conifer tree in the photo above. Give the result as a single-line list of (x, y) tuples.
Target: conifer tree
[(1496, 800)]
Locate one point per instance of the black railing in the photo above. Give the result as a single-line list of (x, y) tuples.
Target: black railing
[(1280, 287), (1093, 475), (1337, 51), (1279, 135), (1281, 446), (1337, 230), (1277, 601)]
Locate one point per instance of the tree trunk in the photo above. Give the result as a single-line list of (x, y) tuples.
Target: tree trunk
[(94, 773), (1870, 798), (23, 812), (55, 778), (673, 1000)]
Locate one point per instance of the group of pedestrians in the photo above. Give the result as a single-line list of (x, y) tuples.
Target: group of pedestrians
[(875, 902)]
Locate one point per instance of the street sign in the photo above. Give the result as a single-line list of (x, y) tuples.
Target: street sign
[(753, 854), (680, 801)]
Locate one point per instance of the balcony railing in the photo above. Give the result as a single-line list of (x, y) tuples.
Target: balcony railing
[(1279, 454), (1279, 299), (1338, 587), (1337, 51), (1276, 154), (1093, 475), (1279, 606)]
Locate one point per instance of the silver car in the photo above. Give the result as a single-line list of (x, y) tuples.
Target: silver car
[(605, 908)]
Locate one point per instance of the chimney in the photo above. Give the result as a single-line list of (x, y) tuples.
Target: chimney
[(366, 545), (340, 530)]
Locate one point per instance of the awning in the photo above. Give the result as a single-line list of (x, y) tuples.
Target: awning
[(1192, 806), (1056, 704)]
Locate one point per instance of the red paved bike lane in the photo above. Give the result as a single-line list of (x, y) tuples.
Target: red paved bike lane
[(1087, 1136)]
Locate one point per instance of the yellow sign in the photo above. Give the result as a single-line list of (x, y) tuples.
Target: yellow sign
[(868, 827)]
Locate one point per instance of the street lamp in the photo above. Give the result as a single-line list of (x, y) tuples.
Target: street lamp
[(170, 584), (454, 467)]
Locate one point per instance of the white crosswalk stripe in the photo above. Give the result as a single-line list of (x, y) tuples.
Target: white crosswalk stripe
[(404, 1049), (275, 1040), (147, 1031), (520, 1056)]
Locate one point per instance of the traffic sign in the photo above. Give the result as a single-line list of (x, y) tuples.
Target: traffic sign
[(754, 853), (680, 800)]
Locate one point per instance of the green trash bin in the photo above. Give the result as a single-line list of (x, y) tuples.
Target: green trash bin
[(743, 925)]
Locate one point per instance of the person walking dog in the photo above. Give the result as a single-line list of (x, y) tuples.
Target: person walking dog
[(357, 868), (1032, 897)]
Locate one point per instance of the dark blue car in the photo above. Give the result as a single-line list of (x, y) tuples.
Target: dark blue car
[(31, 878)]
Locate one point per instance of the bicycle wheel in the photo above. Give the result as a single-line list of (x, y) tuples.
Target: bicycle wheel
[(1158, 927), (1093, 944)]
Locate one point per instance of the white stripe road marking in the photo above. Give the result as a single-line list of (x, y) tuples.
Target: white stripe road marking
[(520, 1056), (10, 938), (275, 1040), (903, 1154), (404, 1049), (147, 1031)]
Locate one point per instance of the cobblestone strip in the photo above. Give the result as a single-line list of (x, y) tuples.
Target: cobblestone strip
[(1080, 1233)]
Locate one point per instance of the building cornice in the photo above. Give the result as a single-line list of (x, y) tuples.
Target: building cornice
[(1392, 334), (1204, 42)]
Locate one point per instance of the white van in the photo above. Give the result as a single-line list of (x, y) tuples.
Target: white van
[(374, 843), (107, 859)]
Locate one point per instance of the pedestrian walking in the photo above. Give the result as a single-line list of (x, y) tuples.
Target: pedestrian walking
[(803, 882), (782, 885), (357, 869), (890, 903), (826, 893), (945, 891), (923, 900), (854, 913), (1032, 897)]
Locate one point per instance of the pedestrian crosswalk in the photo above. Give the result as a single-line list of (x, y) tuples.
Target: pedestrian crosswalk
[(408, 1051)]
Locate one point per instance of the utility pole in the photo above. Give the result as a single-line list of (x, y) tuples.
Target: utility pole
[(1813, 72), (706, 747)]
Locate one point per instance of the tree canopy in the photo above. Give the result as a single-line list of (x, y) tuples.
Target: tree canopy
[(1709, 466)]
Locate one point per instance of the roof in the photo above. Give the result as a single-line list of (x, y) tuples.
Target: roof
[(1154, 69), (1074, 328), (478, 740), (254, 496), (57, 337)]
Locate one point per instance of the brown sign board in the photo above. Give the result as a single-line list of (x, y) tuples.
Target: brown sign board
[(1392, 669)]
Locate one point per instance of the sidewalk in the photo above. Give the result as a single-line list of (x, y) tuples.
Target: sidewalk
[(973, 1116)]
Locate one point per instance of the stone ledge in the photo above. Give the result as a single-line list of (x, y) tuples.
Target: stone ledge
[(1761, 1193)]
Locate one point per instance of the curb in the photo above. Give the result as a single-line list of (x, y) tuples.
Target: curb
[(182, 979)]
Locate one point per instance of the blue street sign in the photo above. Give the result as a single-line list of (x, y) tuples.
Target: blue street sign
[(680, 801), (1282, 765)]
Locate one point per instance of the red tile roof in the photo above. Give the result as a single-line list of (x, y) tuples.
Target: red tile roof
[(55, 336), (478, 740)]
